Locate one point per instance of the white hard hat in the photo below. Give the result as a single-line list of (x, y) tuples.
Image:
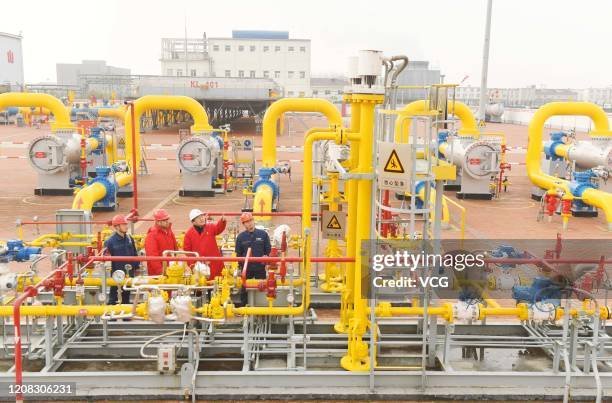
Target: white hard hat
[(193, 214)]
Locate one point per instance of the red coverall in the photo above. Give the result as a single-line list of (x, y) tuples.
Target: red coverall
[(205, 244), (157, 241)]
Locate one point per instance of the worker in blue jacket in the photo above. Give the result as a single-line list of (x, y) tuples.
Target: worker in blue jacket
[(259, 242), (121, 244)]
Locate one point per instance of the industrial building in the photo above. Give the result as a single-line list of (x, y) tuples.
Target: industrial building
[(72, 73), (11, 63), (245, 55)]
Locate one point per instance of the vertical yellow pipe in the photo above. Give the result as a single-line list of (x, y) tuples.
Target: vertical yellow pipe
[(357, 358), (346, 299), (333, 271)]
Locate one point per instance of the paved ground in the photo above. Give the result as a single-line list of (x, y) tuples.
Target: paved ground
[(511, 216)]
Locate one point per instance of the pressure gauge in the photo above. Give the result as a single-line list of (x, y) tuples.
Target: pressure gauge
[(118, 276), (101, 298)]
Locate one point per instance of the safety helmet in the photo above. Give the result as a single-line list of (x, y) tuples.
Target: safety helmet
[(246, 217), (161, 215), (195, 213), (118, 219)]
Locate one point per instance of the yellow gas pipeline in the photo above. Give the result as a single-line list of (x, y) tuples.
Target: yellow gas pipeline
[(594, 197), (52, 104), (87, 196), (459, 109), (73, 310)]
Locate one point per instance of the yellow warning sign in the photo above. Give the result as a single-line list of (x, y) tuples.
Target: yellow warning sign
[(334, 223), (394, 164)]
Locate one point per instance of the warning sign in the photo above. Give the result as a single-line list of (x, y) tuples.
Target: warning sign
[(333, 224), (394, 166)]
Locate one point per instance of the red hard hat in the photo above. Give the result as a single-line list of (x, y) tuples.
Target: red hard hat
[(118, 219), (246, 217), (161, 215)]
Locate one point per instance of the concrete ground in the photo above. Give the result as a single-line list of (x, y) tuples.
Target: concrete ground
[(512, 216)]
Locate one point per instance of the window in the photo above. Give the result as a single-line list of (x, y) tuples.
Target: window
[(266, 48), (315, 92), (241, 73), (228, 73), (170, 72), (339, 92), (277, 74), (266, 74), (213, 74), (252, 73), (302, 94), (241, 48), (277, 48), (327, 92), (290, 93), (179, 73), (302, 74), (290, 74), (302, 48), (215, 48), (228, 48), (252, 48), (193, 72), (290, 48)]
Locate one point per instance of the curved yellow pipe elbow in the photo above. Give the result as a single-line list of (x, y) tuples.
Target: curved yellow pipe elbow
[(534, 147), (262, 202), (161, 102), (459, 109), (87, 196), (599, 199), (54, 105), (116, 113), (281, 106)]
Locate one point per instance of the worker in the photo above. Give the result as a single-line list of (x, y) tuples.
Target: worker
[(159, 239), (121, 244), (259, 242), (201, 238), (506, 182)]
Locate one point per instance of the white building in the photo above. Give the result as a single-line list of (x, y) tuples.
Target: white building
[(69, 73), (531, 96), (247, 54), (11, 62)]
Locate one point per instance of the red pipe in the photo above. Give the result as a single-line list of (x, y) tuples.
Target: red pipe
[(134, 151), (263, 259), (244, 267), (134, 217), (29, 291)]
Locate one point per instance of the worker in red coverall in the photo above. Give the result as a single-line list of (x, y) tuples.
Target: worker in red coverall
[(159, 238), (201, 238)]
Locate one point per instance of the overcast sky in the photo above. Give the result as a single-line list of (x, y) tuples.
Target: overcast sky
[(556, 43)]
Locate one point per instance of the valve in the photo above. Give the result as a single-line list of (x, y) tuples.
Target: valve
[(551, 202)]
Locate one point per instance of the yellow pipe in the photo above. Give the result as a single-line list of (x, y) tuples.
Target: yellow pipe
[(117, 113), (346, 299), (357, 358), (276, 110), (262, 202), (592, 197), (459, 109), (91, 194), (61, 114), (72, 310), (432, 201), (86, 197)]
